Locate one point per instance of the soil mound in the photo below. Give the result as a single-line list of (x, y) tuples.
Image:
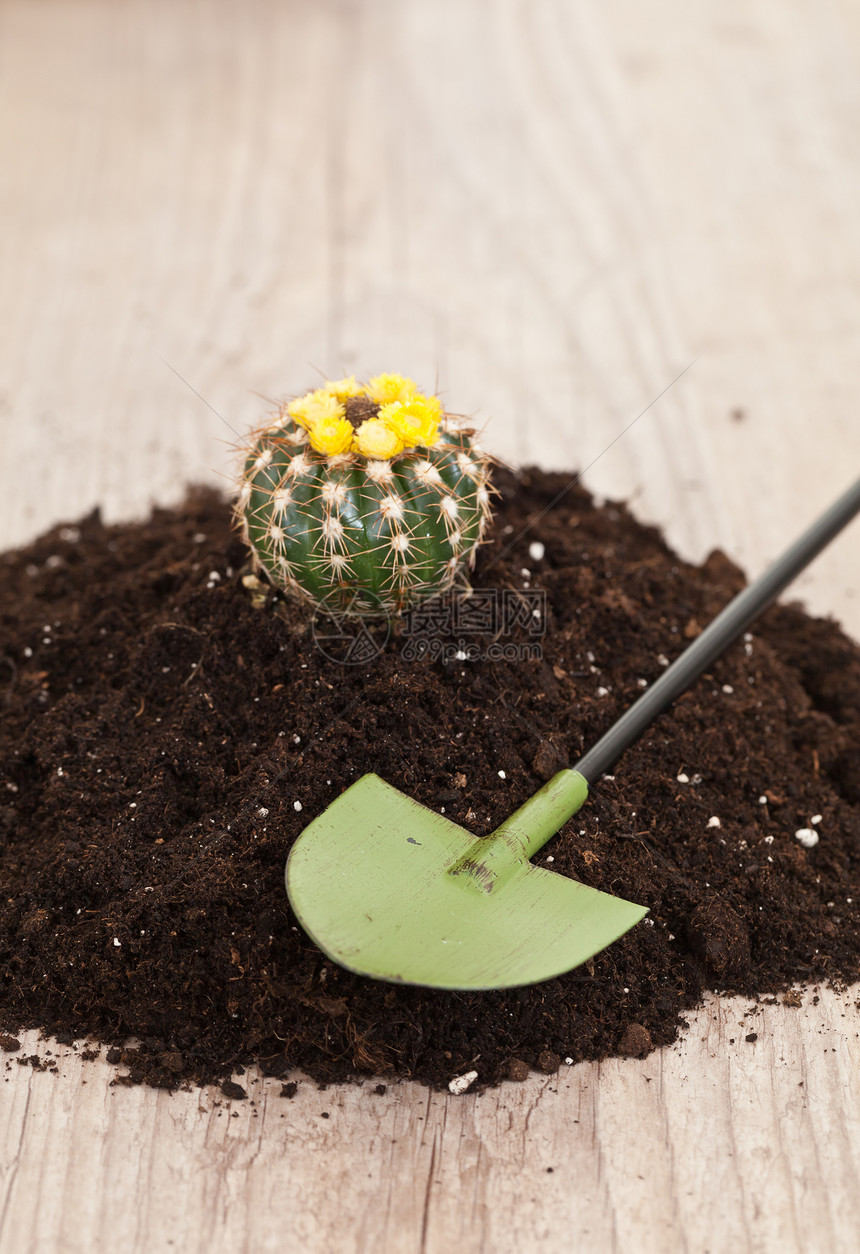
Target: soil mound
[(168, 728)]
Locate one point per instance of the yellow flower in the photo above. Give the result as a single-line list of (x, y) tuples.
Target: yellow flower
[(384, 388), (375, 439), (331, 435), (343, 389), (313, 407), (415, 421)]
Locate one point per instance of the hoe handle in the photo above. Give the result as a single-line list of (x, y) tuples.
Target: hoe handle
[(716, 638)]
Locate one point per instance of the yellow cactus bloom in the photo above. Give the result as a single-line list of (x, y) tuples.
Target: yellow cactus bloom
[(377, 440), (384, 388), (431, 404), (415, 421), (315, 406), (331, 435), (343, 389)]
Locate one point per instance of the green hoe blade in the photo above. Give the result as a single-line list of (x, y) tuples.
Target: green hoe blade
[(393, 890)]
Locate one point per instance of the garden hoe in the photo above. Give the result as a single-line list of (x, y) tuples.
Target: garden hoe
[(392, 890)]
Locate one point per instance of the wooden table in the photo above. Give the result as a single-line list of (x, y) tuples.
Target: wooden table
[(629, 237)]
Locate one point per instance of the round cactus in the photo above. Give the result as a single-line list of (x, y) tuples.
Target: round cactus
[(364, 499)]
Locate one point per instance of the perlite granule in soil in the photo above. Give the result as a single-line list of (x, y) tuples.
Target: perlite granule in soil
[(170, 726)]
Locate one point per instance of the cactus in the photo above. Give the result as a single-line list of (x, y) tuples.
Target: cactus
[(363, 499)]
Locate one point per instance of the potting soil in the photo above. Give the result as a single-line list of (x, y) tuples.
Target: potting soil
[(170, 725)]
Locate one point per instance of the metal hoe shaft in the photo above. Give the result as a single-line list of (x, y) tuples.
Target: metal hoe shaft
[(716, 638)]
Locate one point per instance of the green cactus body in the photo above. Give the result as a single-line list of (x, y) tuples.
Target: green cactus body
[(360, 535)]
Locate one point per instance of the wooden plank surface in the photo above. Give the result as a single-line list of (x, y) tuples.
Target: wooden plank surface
[(554, 209), (703, 1146)]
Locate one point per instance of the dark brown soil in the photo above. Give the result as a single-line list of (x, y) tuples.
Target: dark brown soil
[(168, 730)]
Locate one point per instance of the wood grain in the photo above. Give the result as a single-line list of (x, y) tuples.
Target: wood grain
[(718, 1143), (582, 221)]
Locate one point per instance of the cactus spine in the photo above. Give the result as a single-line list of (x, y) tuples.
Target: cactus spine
[(363, 499)]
